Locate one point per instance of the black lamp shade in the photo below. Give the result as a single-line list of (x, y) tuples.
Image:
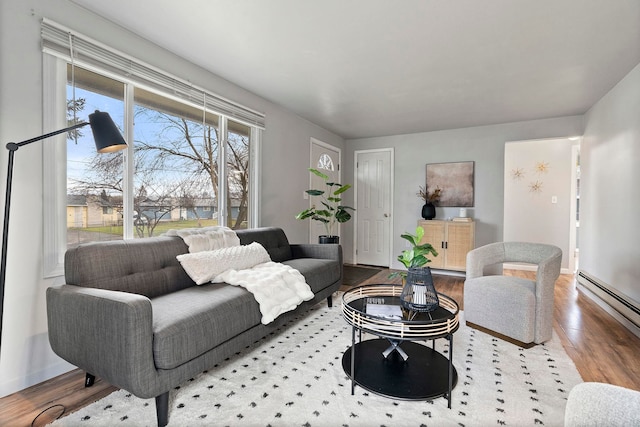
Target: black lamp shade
[(105, 133)]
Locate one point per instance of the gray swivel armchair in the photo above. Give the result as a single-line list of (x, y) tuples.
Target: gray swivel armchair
[(514, 307)]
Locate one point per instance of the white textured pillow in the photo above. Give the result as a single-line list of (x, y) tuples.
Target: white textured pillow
[(208, 238), (202, 267)]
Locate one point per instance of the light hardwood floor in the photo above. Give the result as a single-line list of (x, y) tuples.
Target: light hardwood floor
[(602, 349)]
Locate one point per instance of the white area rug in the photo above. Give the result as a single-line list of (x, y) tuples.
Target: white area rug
[(295, 378)]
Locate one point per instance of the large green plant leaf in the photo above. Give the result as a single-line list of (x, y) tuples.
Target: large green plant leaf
[(341, 189), (318, 173), (342, 215), (307, 213)]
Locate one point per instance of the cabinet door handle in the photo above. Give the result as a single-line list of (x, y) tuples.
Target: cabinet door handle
[(441, 245)]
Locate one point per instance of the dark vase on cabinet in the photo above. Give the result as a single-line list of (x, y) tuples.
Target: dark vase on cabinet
[(428, 211)]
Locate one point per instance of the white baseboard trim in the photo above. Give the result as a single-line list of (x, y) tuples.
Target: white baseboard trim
[(619, 306), (606, 307)]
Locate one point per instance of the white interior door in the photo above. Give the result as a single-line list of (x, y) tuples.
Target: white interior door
[(325, 158), (374, 184)]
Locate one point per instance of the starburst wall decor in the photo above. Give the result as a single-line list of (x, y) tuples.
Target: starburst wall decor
[(535, 187), (542, 167), (517, 173)]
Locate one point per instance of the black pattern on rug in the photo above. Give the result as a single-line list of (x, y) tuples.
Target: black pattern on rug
[(295, 377)]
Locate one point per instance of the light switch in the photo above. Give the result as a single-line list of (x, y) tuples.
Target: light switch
[(554, 199)]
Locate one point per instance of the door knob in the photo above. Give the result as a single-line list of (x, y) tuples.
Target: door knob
[(386, 215)]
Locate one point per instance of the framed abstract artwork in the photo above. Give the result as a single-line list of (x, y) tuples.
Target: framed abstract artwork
[(455, 181)]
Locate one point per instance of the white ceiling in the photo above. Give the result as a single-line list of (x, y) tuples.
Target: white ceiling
[(365, 68)]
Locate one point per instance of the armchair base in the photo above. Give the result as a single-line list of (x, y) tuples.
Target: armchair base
[(500, 336)]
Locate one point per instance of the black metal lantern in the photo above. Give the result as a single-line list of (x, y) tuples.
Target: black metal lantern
[(418, 293)]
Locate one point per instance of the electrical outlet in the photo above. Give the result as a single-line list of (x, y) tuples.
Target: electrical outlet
[(554, 199)]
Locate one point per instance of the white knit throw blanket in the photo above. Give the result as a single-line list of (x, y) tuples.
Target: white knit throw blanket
[(277, 287)]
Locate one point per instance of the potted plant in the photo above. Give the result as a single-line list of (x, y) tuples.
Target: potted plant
[(430, 201), (416, 256), (331, 212)]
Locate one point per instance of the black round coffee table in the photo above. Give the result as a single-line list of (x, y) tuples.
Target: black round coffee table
[(392, 365)]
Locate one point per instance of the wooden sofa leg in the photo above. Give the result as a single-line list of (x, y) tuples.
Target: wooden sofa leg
[(330, 301), (89, 380), (162, 409)]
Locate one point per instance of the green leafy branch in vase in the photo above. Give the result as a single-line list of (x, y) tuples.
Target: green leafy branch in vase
[(415, 257)]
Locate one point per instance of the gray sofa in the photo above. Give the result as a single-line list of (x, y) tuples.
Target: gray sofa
[(129, 313)]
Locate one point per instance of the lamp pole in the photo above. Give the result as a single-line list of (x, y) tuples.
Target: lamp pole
[(13, 147), (107, 138)]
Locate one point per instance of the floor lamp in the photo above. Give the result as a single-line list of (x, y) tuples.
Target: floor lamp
[(107, 138)]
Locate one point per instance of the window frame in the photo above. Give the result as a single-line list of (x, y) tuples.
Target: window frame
[(55, 156)]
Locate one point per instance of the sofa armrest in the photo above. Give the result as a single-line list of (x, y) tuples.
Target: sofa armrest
[(106, 333), (316, 250)]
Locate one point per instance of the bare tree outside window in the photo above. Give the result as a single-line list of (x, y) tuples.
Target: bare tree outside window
[(178, 160)]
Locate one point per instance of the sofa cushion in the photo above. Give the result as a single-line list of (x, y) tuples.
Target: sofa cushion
[(192, 321), (319, 273), (141, 266), (272, 239)]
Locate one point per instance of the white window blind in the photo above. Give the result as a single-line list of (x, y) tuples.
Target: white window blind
[(55, 41)]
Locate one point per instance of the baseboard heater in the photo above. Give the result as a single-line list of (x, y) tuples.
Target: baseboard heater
[(621, 303)]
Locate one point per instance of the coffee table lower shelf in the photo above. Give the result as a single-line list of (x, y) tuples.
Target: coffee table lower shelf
[(422, 377)]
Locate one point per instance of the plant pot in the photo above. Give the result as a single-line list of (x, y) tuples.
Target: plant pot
[(428, 211), (329, 240)]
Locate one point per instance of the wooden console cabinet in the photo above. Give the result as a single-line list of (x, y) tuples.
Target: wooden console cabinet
[(451, 239)]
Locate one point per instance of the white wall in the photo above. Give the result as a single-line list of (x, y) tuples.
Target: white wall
[(25, 355), (532, 216), (484, 145), (610, 190)]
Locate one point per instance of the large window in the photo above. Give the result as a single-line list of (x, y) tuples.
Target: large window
[(177, 151), (191, 160)]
